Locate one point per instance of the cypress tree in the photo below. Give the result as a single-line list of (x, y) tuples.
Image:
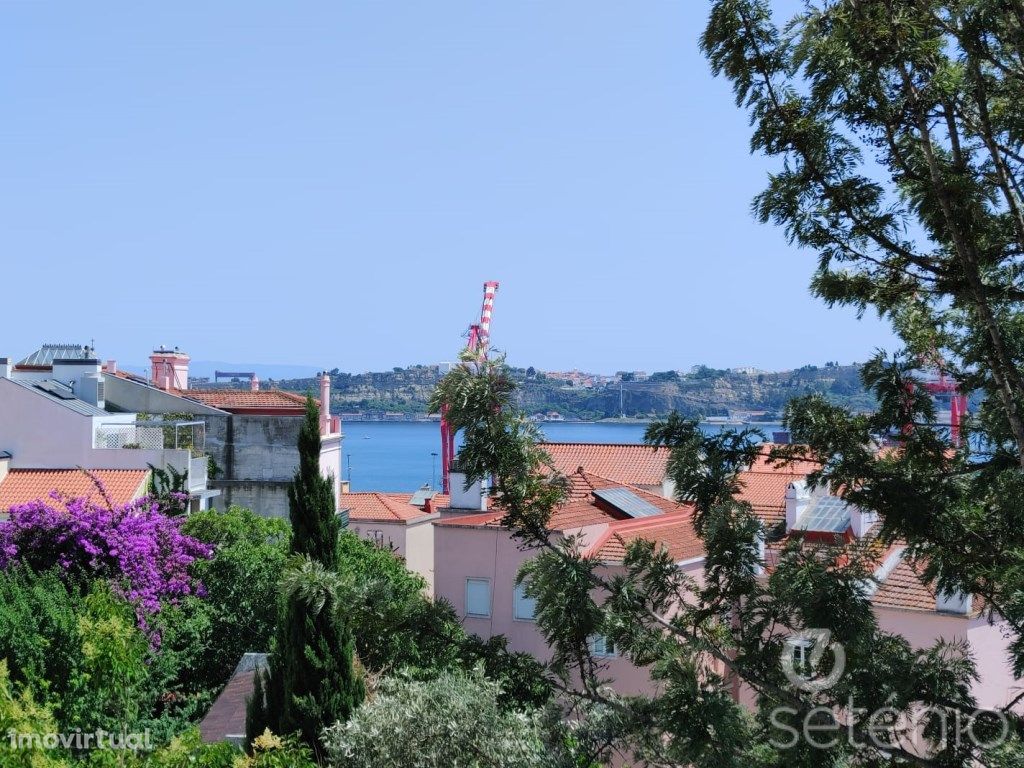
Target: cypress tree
[(310, 682), (311, 502)]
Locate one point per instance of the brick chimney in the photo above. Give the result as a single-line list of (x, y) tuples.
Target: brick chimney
[(169, 368)]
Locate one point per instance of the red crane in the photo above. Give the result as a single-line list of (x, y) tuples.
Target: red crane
[(957, 402), (479, 343)]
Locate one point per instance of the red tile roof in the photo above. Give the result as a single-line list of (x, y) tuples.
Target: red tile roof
[(580, 508), (624, 463), (673, 532), (765, 464), (24, 485), (226, 717), (385, 507), (765, 491), (245, 399)]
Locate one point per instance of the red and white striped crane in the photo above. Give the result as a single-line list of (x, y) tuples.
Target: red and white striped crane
[(479, 343)]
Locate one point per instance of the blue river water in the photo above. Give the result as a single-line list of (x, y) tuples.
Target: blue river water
[(396, 456)]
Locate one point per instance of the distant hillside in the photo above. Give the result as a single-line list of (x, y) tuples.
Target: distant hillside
[(703, 392)]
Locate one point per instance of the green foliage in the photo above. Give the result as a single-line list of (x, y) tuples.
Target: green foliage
[(28, 721), (451, 720), (311, 501), (312, 665), (248, 559), (170, 488), (107, 689), (39, 630), (312, 680)]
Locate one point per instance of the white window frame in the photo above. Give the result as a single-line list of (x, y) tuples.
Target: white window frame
[(602, 648), (519, 603), (487, 584)]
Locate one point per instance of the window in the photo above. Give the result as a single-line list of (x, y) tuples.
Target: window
[(801, 654), (523, 607), (376, 536), (478, 597), (602, 647)]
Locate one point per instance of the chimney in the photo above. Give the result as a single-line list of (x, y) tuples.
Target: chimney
[(5, 367), (84, 376), (325, 403), (428, 506), (797, 499), (110, 367), (861, 520), (254, 383), (169, 368), (471, 499), (5, 464)]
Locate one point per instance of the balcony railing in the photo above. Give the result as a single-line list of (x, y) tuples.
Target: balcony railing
[(154, 435)]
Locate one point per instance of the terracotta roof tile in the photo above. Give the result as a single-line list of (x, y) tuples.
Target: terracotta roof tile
[(244, 399), (764, 464), (624, 463), (765, 491), (904, 588), (673, 532), (580, 508), (390, 507), (24, 485)]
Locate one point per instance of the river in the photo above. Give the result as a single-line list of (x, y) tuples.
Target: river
[(396, 456)]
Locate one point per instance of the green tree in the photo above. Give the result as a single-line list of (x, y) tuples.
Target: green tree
[(311, 680), (899, 133), (451, 720), (311, 502)]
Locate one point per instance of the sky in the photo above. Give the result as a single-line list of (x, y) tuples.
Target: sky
[(330, 183)]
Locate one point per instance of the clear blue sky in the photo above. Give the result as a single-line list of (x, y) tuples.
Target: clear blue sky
[(329, 183)]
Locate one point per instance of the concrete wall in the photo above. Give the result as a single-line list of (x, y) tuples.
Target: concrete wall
[(268, 499)]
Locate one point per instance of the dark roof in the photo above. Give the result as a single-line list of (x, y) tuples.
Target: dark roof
[(226, 719), (58, 392)]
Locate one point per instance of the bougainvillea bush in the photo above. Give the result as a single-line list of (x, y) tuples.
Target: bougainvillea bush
[(139, 549)]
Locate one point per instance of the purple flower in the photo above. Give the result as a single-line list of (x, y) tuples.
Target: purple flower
[(140, 550)]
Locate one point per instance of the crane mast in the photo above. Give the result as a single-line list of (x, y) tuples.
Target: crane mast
[(479, 343)]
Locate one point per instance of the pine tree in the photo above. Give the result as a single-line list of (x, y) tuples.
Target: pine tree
[(311, 681)]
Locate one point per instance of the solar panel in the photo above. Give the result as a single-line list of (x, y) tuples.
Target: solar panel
[(420, 497), (627, 502), (55, 389), (825, 514)]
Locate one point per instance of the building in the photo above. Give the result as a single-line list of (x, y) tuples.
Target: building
[(476, 559), (251, 434), (401, 522), (54, 415)]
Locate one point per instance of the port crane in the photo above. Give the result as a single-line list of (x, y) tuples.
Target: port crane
[(478, 345)]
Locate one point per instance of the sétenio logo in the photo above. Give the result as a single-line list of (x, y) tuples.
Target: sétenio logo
[(802, 654)]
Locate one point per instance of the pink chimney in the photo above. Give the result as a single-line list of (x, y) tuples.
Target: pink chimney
[(169, 368)]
